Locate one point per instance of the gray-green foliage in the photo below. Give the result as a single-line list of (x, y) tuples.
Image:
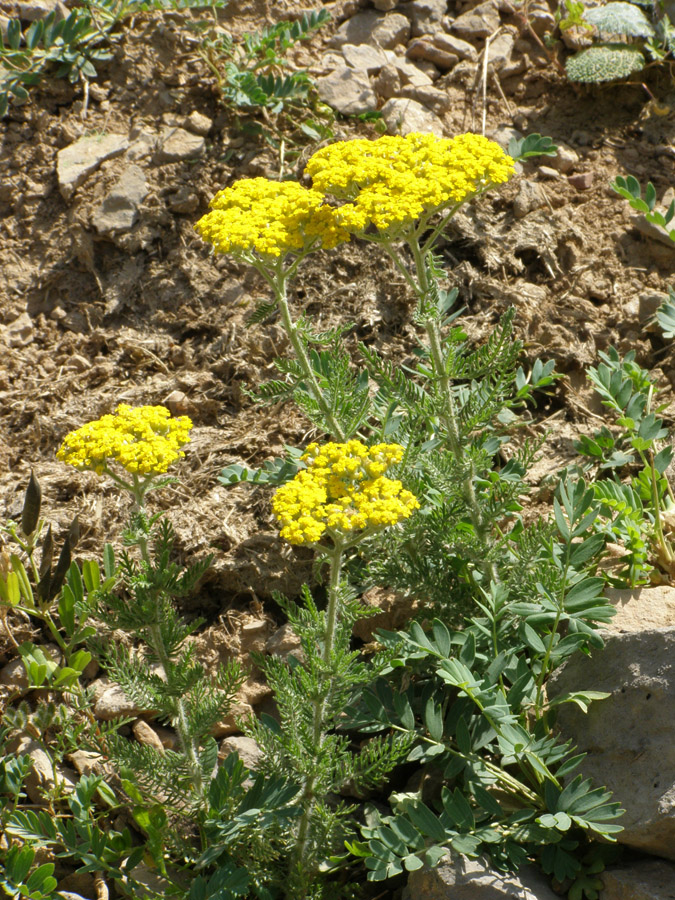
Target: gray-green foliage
[(68, 47), (620, 18), (629, 188), (665, 315), (610, 59), (632, 510), (253, 74), (473, 701)]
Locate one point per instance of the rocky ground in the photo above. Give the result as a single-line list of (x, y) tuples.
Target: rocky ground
[(109, 296)]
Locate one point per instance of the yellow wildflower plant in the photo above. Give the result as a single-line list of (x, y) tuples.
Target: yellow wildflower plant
[(270, 218), (343, 490), (395, 179), (144, 440)]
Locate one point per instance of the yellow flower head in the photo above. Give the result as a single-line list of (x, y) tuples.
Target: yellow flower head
[(270, 218), (395, 180), (144, 440), (343, 490)]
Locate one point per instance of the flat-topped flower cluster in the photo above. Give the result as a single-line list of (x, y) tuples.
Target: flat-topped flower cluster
[(391, 181), (144, 440), (343, 490)]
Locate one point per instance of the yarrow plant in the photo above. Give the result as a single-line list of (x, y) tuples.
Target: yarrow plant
[(470, 699), (135, 448), (343, 496)]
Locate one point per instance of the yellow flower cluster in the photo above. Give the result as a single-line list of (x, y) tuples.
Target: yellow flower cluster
[(394, 180), (270, 218), (344, 489), (144, 440)]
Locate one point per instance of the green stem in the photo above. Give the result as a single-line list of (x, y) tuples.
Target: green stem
[(277, 280), (552, 636), (188, 744), (449, 416), (300, 863)]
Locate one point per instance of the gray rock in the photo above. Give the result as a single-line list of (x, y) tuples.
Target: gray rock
[(645, 879), (565, 159), (86, 762), (19, 333), (439, 102), (409, 73), (284, 642), (113, 703), (184, 201), (70, 895), (150, 879), (479, 22), (540, 18), (143, 142), (348, 91), (43, 775), (75, 163), (198, 123), (372, 27), (385, 5), (32, 10), (120, 209), (248, 750), (388, 83), (367, 59), (4, 23), (426, 16), (649, 607), (652, 230), (179, 145), (145, 734), (629, 736), (424, 49), (455, 45), (403, 116), (464, 879), (529, 197), (501, 48)]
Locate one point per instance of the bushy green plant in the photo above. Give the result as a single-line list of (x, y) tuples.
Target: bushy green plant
[(207, 828)]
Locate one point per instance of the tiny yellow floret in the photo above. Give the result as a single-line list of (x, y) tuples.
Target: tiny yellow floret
[(396, 180), (144, 440), (270, 218), (343, 490)]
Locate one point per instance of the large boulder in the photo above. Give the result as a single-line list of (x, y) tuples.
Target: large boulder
[(646, 879), (630, 736), (471, 879)]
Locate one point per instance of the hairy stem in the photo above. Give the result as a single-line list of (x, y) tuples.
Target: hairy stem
[(449, 416), (277, 280), (301, 863), (188, 744)]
